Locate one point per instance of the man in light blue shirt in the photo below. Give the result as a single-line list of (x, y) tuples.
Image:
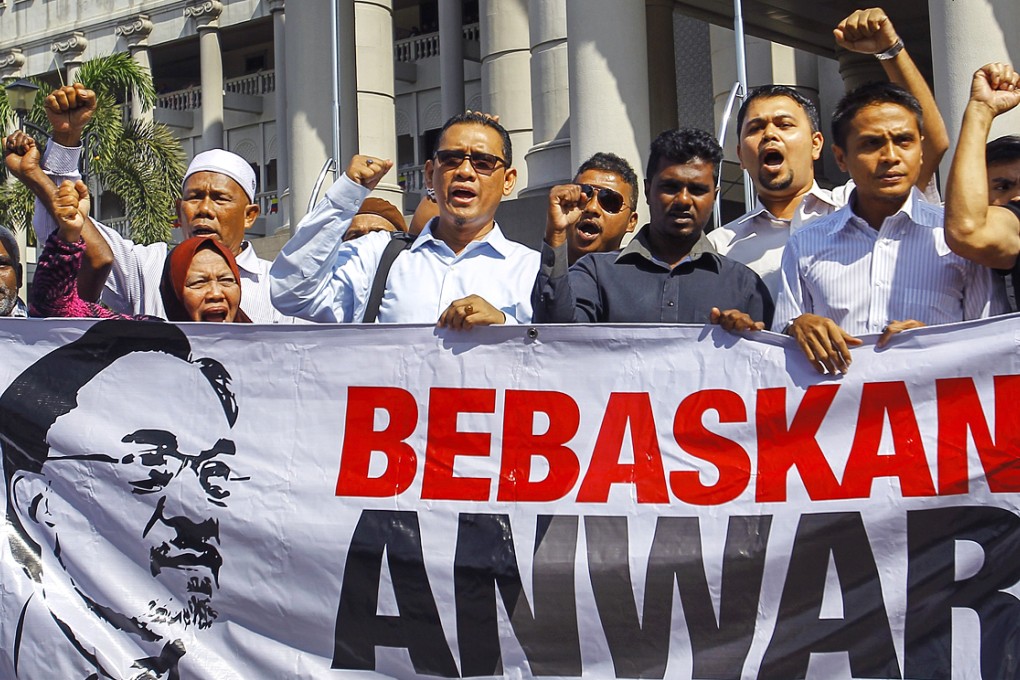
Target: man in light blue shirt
[(460, 270), (880, 264)]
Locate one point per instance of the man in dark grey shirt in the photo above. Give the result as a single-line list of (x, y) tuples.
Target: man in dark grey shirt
[(664, 275)]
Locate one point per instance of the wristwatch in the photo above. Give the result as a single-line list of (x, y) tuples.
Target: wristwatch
[(891, 53)]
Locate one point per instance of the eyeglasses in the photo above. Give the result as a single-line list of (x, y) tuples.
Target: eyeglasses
[(611, 201), (484, 163)]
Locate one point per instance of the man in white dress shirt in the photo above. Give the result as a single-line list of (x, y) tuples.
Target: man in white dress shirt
[(460, 270), (880, 264), (780, 140), (218, 202)]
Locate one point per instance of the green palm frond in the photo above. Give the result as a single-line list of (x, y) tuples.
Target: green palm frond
[(140, 162)]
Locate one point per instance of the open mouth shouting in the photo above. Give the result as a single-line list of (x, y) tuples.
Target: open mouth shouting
[(461, 195), (587, 231), (771, 159)]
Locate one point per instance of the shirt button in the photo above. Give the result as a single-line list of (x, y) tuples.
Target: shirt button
[(670, 303)]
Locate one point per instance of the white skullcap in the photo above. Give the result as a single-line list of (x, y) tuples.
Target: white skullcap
[(225, 163)]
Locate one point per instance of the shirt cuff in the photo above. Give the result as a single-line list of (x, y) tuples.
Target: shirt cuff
[(554, 261), (61, 160), (347, 194)]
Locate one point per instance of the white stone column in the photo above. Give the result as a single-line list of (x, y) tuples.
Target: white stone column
[(662, 109), (309, 117), (70, 49), (451, 57), (965, 36), (276, 8), (548, 159), (136, 32), (206, 16), (377, 128), (506, 74), (11, 63), (609, 81)]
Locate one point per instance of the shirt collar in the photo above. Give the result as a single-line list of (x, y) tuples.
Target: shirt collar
[(907, 209), (20, 310), (248, 260), (494, 239), (816, 192), (639, 247)]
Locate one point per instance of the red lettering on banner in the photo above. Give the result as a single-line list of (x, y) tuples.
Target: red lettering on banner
[(782, 446), (521, 444), (693, 437), (361, 439), (960, 412), (445, 442), (605, 469), (907, 460)]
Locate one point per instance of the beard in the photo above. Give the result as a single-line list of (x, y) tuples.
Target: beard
[(775, 183), (197, 611), (8, 299)]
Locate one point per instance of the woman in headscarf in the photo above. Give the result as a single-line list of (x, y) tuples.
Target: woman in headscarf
[(200, 281)]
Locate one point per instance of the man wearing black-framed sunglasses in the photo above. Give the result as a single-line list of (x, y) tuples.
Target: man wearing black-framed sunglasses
[(459, 272), (665, 274), (595, 212)]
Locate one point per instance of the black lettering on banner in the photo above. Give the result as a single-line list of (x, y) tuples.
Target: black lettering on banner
[(933, 591), (359, 628), (863, 632), (640, 649), (486, 560)]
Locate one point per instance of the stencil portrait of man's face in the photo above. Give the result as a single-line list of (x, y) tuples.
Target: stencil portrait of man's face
[(136, 480)]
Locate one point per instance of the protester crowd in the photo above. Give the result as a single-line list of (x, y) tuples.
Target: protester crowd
[(879, 254)]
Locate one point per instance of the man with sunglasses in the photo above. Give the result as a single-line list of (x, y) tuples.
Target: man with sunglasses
[(597, 210), (460, 270), (664, 275)]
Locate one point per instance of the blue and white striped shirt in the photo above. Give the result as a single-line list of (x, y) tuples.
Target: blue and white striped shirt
[(863, 279)]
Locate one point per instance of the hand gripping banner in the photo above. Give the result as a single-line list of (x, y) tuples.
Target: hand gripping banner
[(215, 502)]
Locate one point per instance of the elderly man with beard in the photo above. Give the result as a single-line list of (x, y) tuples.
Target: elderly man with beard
[(460, 270), (10, 275), (780, 140), (114, 514)]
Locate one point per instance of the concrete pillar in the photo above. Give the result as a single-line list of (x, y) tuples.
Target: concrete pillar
[(377, 128), (609, 81), (662, 76), (276, 8), (451, 57), (11, 63), (693, 90), (206, 16), (506, 74), (309, 119), (70, 50), (135, 32), (969, 35), (347, 53), (548, 160)]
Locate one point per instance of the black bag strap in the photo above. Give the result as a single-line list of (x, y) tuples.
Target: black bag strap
[(400, 242)]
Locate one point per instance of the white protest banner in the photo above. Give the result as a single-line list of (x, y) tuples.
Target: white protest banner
[(215, 501)]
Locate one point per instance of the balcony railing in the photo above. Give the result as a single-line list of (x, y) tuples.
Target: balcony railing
[(189, 99), (424, 46), (412, 179)]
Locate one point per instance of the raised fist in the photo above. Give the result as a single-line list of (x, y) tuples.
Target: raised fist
[(368, 170), (69, 109)]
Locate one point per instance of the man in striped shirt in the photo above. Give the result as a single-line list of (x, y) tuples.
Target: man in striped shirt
[(880, 264)]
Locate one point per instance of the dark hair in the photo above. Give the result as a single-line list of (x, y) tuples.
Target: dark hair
[(610, 162), (683, 146), (10, 243), (49, 389), (770, 91), (1003, 150), (868, 95), (475, 118)]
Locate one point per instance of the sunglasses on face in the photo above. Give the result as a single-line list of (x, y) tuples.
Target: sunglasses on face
[(484, 163), (611, 201)]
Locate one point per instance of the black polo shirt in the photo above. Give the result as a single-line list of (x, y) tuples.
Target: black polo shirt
[(1014, 273), (632, 286)]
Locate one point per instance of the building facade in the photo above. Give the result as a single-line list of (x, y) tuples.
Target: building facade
[(568, 78)]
